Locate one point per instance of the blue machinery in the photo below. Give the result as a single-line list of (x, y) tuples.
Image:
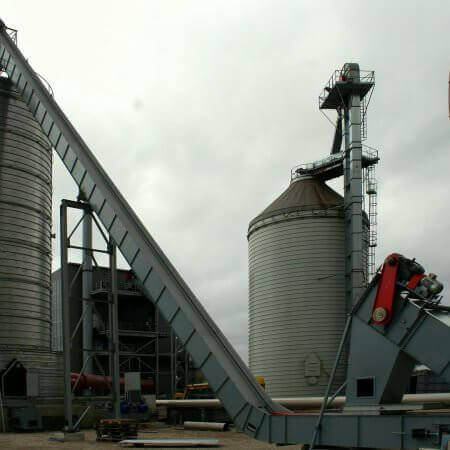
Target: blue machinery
[(380, 356)]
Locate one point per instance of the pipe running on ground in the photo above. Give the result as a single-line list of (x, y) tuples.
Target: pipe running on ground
[(205, 426), (301, 403)]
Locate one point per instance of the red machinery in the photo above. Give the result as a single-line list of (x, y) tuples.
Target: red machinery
[(411, 275)]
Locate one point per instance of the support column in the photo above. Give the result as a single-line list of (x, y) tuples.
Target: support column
[(172, 363), (87, 289), (114, 330), (186, 367), (65, 303), (157, 387)]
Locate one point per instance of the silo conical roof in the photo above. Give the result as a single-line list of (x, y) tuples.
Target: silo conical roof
[(303, 193)]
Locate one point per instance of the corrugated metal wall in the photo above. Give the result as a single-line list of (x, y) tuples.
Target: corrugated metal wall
[(49, 366)]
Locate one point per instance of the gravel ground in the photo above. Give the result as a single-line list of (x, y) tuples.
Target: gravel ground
[(227, 439)]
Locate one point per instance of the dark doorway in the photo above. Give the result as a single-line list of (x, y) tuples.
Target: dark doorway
[(14, 379)]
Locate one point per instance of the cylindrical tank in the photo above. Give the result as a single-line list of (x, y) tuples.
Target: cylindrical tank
[(25, 221), (25, 250), (296, 289)]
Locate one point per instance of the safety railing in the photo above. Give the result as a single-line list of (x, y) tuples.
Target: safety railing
[(368, 153), (343, 76)]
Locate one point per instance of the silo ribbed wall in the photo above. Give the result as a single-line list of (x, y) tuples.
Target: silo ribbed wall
[(25, 220), (25, 243), (296, 300)]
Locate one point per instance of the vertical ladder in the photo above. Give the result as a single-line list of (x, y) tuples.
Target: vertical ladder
[(363, 112), (371, 191)]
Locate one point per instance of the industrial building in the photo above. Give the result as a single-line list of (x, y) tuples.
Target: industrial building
[(146, 342)]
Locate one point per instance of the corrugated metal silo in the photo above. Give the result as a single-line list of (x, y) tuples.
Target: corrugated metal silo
[(25, 217), (296, 289), (25, 239)]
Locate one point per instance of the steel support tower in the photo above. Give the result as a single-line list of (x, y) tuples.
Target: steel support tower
[(89, 354)]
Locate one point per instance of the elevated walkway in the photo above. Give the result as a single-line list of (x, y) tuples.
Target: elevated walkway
[(332, 166), (341, 85)]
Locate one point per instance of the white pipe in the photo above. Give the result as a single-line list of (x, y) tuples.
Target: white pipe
[(304, 402), (206, 426), (206, 403)]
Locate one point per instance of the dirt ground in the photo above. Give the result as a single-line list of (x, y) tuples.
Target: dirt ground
[(227, 439)]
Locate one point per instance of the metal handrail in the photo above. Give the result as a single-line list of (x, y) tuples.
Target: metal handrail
[(365, 76)]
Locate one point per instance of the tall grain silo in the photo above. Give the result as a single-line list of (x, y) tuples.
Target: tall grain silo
[(25, 248), (296, 289)]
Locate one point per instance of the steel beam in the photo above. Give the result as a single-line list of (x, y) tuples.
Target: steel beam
[(86, 293), (113, 306), (65, 300), (157, 325)]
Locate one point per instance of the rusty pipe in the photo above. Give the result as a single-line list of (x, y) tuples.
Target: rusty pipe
[(103, 383)]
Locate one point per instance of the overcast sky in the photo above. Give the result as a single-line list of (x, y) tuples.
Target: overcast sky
[(199, 109)]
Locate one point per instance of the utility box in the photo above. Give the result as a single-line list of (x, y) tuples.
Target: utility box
[(133, 386), (132, 381)]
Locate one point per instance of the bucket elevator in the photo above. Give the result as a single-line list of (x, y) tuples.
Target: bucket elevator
[(413, 325), (309, 252)]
